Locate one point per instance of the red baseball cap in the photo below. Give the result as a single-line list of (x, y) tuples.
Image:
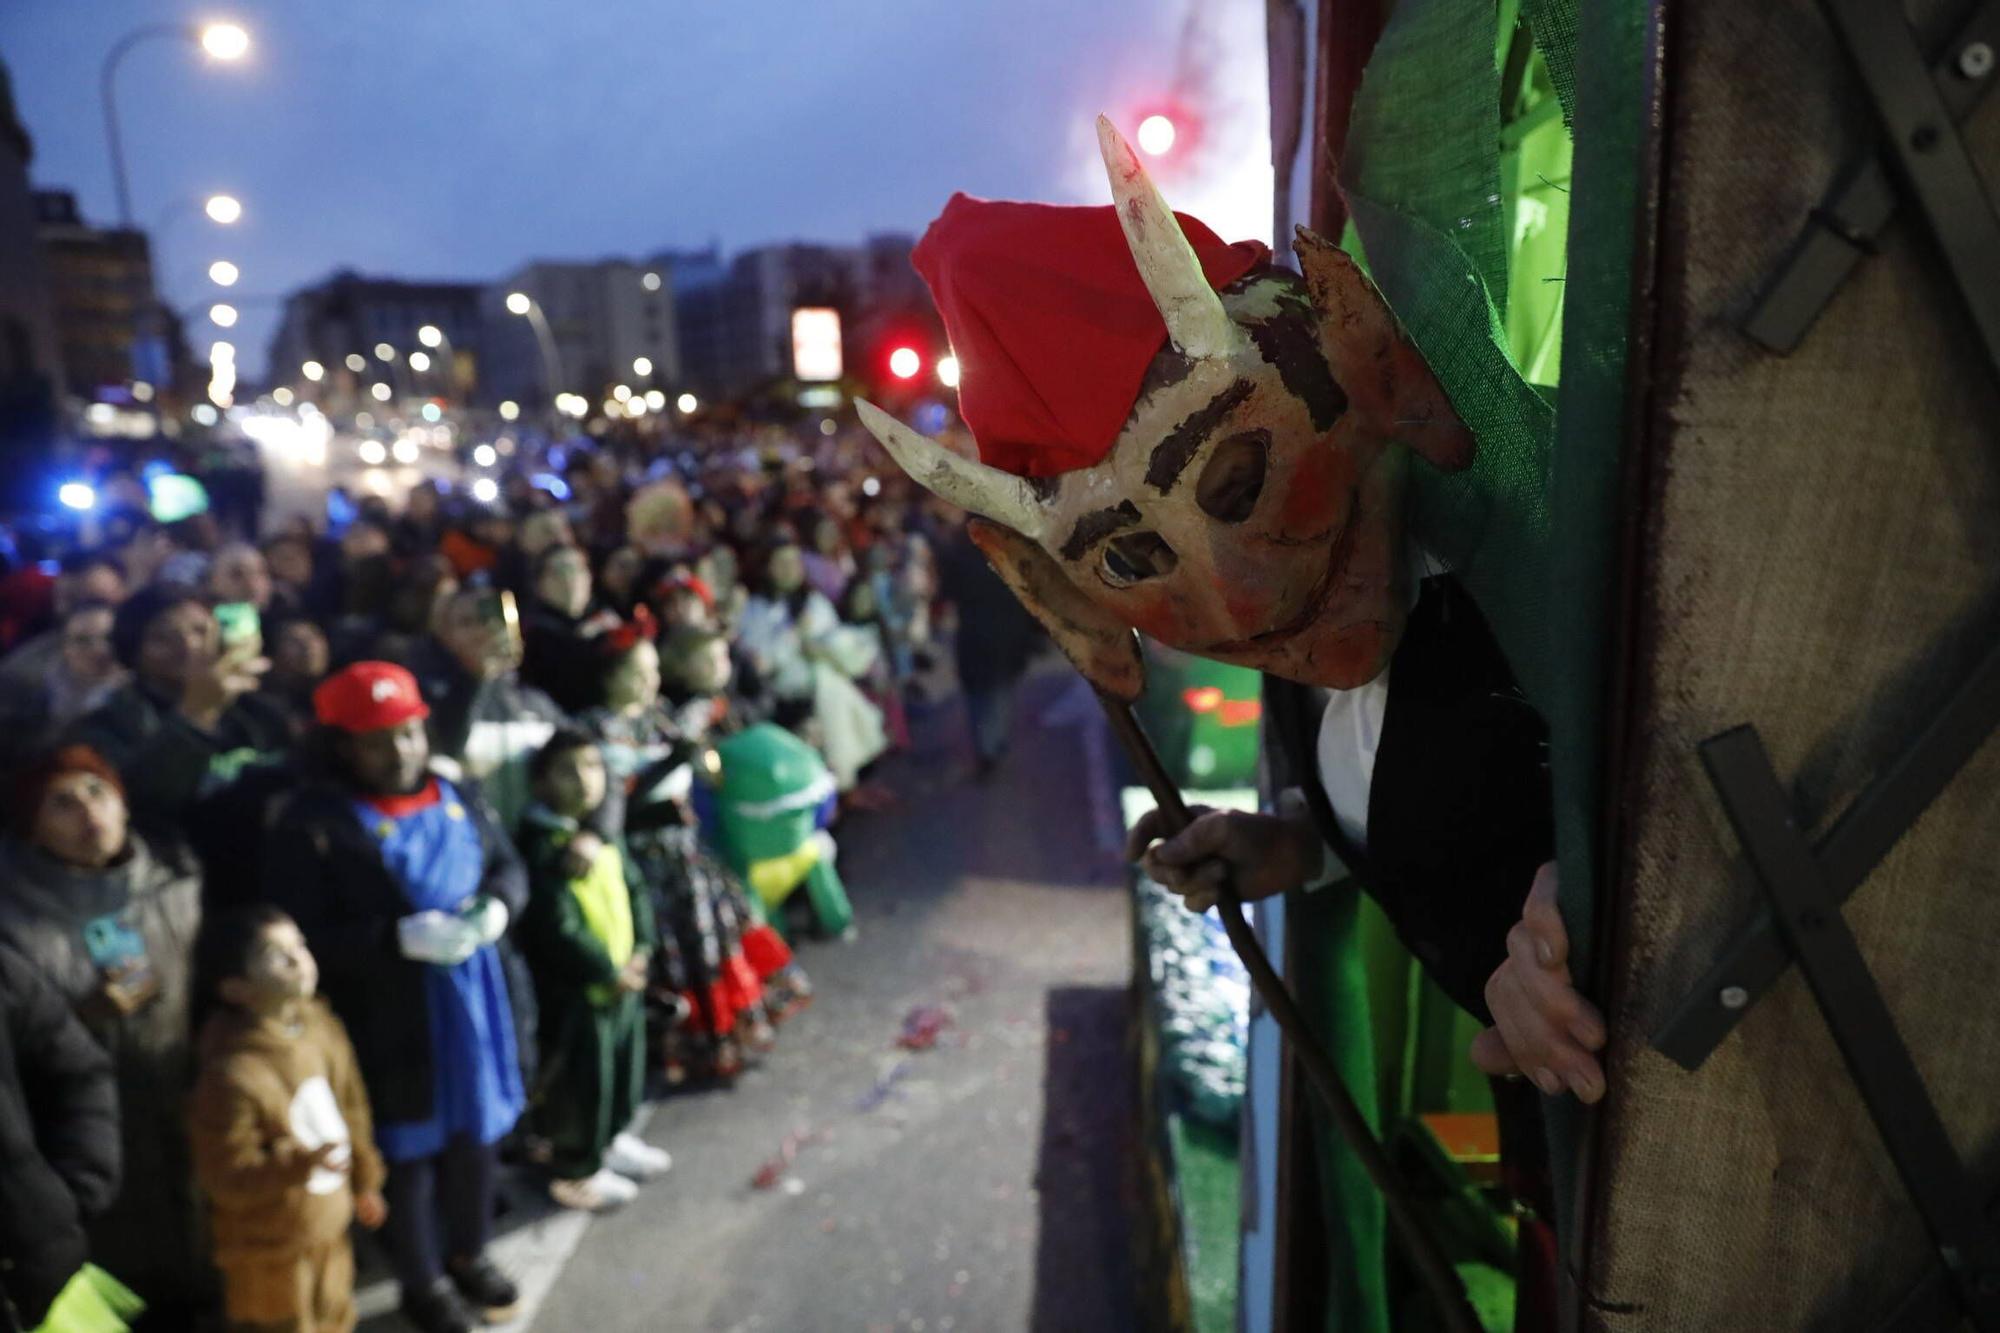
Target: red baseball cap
[(1051, 323), (368, 696)]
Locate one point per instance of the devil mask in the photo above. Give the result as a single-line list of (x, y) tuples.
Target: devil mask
[(1247, 507)]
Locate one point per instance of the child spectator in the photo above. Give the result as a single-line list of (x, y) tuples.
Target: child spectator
[(589, 939), (283, 1142)]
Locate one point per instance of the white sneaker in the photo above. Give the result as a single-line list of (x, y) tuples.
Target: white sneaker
[(635, 1159), (594, 1194)]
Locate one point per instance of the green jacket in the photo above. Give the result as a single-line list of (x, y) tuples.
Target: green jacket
[(570, 957)]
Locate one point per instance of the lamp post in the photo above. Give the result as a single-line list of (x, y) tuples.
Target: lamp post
[(446, 361), (223, 41), (520, 303)]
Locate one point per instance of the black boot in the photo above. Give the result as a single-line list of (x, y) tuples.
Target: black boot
[(485, 1288), (437, 1310)]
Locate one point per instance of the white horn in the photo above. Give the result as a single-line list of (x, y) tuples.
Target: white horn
[(1196, 321), (985, 491)]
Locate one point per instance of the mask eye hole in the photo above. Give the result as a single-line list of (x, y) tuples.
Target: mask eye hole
[(1136, 557), (1234, 477)]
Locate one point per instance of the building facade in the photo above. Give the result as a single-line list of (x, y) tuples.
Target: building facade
[(109, 324), (736, 317), (342, 321), (31, 375), (607, 323)]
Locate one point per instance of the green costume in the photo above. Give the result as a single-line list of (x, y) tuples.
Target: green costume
[(579, 932), (774, 795)]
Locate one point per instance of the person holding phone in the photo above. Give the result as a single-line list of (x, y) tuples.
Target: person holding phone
[(190, 720), (110, 919)]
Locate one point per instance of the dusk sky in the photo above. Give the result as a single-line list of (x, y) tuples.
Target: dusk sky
[(459, 138)]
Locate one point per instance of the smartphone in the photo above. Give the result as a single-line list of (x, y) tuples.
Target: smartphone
[(240, 625)]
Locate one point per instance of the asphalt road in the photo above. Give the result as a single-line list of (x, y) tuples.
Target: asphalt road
[(981, 1185)]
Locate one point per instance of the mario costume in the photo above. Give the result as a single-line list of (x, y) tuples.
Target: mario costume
[(404, 897)]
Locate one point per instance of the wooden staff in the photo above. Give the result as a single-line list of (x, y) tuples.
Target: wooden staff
[(1437, 1273)]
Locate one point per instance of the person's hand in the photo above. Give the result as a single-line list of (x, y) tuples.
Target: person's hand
[(487, 915), (1542, 1027), (582, 852), (1257, 856), (370, 1210), (633, 976), (212, 689), (437, 937), (126, 990)]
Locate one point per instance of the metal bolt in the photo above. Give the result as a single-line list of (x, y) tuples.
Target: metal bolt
[(1976, 60), (1733, 997)]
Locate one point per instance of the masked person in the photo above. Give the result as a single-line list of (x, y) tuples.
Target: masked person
[(110, 919), (403, 885), (1216, 458)]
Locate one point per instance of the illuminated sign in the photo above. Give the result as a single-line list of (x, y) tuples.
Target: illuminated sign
[(816, 345)]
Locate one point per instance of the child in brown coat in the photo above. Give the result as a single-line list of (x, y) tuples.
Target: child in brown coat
[(283, 1143)]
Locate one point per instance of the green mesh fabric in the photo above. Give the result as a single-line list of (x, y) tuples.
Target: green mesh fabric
[(1423, 185)]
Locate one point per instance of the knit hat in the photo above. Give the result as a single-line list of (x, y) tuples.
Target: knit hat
[(31, 784), (368, 696), (1051, 323)]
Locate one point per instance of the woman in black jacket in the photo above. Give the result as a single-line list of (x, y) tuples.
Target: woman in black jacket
[(58, 1141)]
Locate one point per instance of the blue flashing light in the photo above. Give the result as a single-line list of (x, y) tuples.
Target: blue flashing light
[(550, 482), (77, 495)]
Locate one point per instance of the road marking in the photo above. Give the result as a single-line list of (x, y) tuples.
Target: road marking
[(532, 1252)]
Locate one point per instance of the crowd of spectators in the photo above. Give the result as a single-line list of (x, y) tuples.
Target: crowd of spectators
[(343, 859)]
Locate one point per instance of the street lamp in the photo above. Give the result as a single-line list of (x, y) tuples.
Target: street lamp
[(520, 303), (223, 209), (223, 41), (642, 366), (222, 315), (223, 273), (430, 335), (313, 371)]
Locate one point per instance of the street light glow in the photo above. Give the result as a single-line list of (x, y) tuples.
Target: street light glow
[(509, 410), (222, 353), (904, 363), (76, 495), (1156, 135), (406, 451), (380, 392), (642, 366), (281, 396), (223, 209), (372, 453), (651, 282), (430, 335), (222, 315), (225, 41), (656, 400), (356, 362), (620, 392), (223, 273), (313, 371), (204, 414), (485, 455), (485, 490), (420, 362), (518, 303), (947, 371), (384, 352)]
